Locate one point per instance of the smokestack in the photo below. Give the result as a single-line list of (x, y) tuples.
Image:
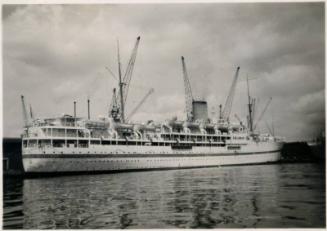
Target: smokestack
[(74, 113), (88, 108)]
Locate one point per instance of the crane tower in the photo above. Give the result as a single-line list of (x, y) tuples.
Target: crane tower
[(229, 101), (188, 93)]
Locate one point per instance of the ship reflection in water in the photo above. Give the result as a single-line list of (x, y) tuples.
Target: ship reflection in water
[(287, 195)]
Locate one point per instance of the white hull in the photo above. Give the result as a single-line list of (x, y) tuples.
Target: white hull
[(119, 158)]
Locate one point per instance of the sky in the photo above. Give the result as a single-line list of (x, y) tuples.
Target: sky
[(57, 54)]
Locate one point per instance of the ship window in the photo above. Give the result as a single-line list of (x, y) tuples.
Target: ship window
[(58, 132), (95, 142), (106, 142), (233, 147), (32, 143), (44, 143), (83, 144), (58, 143), (24, 143), (71, 133), (72, 143), (80, 133)]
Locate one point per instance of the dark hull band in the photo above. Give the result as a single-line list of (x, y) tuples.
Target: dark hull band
[(55, 174)]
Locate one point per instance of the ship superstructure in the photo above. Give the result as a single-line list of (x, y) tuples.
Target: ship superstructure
[(75, 144)]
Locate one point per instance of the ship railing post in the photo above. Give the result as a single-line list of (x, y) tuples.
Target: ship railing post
[(89, 141), (51, 138), (65, 137), (76, 134)]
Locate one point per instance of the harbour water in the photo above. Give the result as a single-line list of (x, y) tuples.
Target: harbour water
[(254, 196)]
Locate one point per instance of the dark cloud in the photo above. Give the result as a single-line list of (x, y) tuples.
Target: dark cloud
[(55, 54)]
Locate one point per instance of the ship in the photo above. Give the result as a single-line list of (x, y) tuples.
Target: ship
[(71, 144)]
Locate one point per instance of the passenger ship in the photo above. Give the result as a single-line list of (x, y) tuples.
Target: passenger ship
[(70, 144)]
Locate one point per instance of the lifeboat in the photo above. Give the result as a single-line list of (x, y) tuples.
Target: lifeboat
[(176, 123), (123, 126), (146, 128), (150, 128), (209, 126), (192, 125)]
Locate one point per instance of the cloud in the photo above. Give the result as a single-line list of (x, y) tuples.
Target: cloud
[(311, 103), (59, 54)]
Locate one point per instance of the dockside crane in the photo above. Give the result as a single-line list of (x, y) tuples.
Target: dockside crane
[(140, 104), (124, 82), (114, 107), (229, 101), (25, 114), (121, 86), (129, 69), (262, 113), (238, 118), (31, 112), (188, 93)]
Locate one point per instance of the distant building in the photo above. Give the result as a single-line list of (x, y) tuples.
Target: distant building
[(12, 155)]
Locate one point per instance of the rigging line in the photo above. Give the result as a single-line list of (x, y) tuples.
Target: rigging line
[(112, 74)]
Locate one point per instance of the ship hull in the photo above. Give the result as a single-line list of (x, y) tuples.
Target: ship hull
[(120, 159)]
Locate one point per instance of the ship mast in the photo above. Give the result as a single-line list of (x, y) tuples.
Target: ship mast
[(121, 84), (250, 106)]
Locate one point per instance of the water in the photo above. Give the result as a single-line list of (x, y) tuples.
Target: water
[(264, 196)]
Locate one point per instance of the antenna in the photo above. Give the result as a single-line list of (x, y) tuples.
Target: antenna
[(88, 108), (272, 123)]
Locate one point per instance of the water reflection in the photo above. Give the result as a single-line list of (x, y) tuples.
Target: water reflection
[(13, 203), (229, 197)]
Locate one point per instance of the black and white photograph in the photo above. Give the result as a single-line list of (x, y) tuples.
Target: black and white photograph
[(163, 115)]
